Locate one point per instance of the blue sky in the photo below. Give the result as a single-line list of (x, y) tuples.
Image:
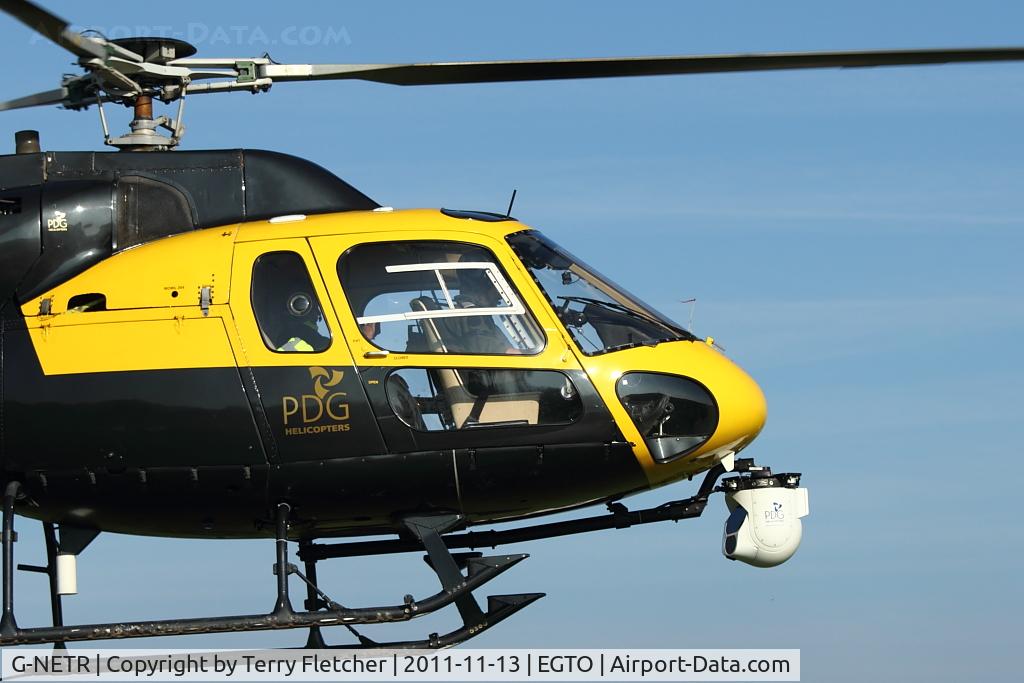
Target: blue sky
[(853, 240)]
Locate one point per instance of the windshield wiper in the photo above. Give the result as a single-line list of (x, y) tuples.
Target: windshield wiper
[(622, 308)]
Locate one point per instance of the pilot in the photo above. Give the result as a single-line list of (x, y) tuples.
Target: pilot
[(477, 333), (302, 325), (369, 330)]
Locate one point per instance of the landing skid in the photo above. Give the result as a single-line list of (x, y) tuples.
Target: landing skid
[(321, 612), (460, 574)]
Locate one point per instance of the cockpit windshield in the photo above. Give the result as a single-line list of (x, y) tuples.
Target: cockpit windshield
[(599, 315)]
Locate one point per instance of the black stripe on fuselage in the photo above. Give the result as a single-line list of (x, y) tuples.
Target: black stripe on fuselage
[(203, 452)]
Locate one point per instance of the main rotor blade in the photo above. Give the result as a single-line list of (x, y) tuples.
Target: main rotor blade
[(54, 28), (541, 70), (49, 97)]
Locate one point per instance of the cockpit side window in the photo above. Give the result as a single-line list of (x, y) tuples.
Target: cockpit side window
[(436, 297), (450, 399), (286, 306)]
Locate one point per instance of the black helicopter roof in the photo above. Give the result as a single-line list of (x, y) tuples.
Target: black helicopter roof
[(62, 212), (223, 186)]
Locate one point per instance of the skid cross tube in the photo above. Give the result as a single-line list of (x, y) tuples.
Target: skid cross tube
[(50, 569), (283, 607), (427, 531), (618, 518), (8, 625), (315, 640), (283, 616), (56, 608)]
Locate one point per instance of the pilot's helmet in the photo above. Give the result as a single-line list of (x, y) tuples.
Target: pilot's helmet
[(300, 305)]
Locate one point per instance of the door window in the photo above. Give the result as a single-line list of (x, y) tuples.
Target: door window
[(436, 297), (286, 306)]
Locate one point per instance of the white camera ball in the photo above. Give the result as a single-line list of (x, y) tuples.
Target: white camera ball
[(763, 528)]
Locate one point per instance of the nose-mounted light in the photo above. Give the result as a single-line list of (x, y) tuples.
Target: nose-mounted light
[(675, 415)]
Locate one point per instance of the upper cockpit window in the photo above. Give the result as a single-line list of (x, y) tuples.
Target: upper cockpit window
[(599, 315), (148, 209), (286, 306), (436, 297)]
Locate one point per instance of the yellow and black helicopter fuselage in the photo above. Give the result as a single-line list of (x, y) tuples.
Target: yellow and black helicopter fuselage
[(363, 364)]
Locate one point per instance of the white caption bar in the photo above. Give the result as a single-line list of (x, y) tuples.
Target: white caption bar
[(26, 664)]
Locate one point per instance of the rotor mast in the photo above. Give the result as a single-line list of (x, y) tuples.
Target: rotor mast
[(144, 136)]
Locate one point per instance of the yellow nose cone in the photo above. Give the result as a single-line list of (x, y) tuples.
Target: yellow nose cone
[(742, 409)]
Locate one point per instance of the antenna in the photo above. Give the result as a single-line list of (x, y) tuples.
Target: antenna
[(508, 214), (693, 305)]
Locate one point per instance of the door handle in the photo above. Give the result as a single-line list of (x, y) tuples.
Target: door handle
[(376, 353)]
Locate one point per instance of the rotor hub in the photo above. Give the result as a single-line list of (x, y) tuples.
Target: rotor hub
[(156, 50)]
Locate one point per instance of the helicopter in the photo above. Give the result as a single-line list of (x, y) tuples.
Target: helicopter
[(242, 345)]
